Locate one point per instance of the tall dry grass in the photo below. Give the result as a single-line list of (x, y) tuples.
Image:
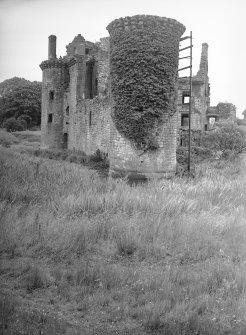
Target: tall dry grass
[(164, 256)]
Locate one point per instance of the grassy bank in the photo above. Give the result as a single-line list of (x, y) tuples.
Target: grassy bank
[(86, 255)]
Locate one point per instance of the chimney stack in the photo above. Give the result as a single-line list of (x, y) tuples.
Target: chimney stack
[(203, 70), (52, 47)]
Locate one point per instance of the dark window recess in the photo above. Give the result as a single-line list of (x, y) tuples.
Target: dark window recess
[(67, 122), (205, 127), (87, 51), (90, 117), (90, 80), (96, 85), (51, 95), (50, 118), (186, 98), (184, 120), (65, 140)]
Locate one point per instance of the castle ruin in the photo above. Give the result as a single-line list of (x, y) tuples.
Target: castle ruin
[(122, 96)]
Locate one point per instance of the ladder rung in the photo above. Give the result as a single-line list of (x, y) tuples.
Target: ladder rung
[(189, 47), (184, 38), (184, 57), (184, 68)]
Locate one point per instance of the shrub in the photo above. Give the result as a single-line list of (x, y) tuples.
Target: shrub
[(26, 119), (23, 123), (227, 138), (7, 139), (98, 156), (12, 124), (37, 278)]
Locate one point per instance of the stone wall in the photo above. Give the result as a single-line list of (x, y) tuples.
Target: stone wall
[(197, 103), (103, 69), (89, 119), (90, 128), (200, 97), (137, 164)]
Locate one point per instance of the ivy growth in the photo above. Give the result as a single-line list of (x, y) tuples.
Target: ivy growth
[(144, 62)]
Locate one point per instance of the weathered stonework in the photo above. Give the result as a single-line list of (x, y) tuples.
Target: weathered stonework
[(79, 96), (203, 115), (200, 99), (53, 88)]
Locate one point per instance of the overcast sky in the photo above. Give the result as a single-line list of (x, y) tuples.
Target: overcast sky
[(26, 24)]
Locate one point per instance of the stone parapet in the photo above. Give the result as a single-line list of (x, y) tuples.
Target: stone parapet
[(53, 63), (145, 22)]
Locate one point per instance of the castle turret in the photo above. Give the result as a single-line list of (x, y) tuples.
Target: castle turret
[(53, 86), (144, 52)]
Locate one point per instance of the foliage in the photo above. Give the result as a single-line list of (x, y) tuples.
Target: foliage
[(227, 138), (7, 139), (9, 85), (144, 61), (226, 110), (22, 100), (12, 124), (26, 118)]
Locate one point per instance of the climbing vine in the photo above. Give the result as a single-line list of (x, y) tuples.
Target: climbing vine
[(144, 61)]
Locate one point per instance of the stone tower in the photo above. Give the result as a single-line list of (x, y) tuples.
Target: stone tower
[(144, 52), (54, 82)]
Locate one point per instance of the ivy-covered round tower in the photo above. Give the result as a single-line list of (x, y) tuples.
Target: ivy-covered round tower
[(54, 83), (144, 52)]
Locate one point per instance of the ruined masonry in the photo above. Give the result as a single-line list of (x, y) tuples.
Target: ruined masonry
[(84, 108)]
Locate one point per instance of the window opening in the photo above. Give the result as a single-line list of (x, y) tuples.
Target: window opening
[(91, 80), (50, 118), (51, 95), (90, 115), (65, 140), (212, 121), (88, 80), (185, 120), (186, 98)]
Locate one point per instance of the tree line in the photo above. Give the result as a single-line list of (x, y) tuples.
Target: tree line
[(20, 104)]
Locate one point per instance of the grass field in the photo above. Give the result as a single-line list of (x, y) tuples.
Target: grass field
[(82, 254)]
